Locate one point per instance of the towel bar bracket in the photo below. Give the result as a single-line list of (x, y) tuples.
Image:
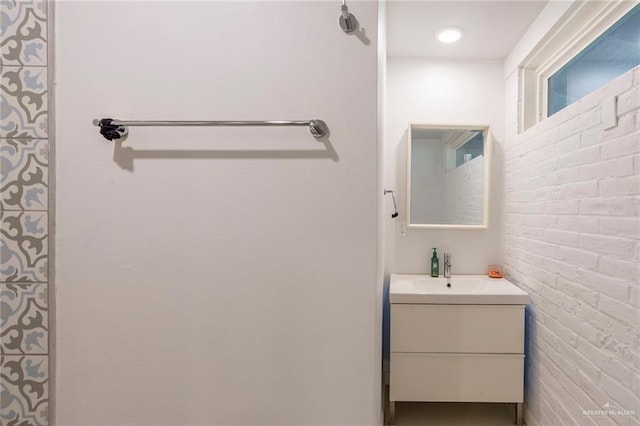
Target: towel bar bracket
[(111, 131)]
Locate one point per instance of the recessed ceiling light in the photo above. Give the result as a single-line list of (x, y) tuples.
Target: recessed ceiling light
[(449, 34)]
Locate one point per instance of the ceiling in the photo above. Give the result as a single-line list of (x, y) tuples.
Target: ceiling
[(491, 28)]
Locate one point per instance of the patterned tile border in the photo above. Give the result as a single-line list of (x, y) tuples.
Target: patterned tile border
[(23, 32), (24, 390), (23, 246), (24, 174), (24, 192), (23, 102), (23, 319)]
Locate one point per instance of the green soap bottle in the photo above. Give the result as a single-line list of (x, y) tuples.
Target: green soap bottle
[(435, 264)]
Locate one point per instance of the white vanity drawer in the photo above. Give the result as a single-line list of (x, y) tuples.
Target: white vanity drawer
[(456, 377), (457, 328)]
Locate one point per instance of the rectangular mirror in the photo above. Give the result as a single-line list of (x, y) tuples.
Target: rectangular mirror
[(448, 176)]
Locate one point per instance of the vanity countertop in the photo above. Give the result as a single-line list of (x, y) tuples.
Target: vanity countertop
[(464, 290)]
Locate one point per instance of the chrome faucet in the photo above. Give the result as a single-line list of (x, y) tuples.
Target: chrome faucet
[(447, 265)]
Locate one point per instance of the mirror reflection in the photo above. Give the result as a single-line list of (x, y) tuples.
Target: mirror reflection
[(447, 176)]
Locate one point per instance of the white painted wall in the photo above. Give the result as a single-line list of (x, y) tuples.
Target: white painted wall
[(442, 92), (427, 171), (230, 278), (549, 19), (385, 206), (572, 240)]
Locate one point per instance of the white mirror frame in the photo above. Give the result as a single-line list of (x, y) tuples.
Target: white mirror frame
[(487, 153)]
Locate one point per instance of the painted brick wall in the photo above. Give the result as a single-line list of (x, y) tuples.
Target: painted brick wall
[(572, 240), (463, 200)]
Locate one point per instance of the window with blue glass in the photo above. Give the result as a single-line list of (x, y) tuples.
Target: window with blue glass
[(471, 149), (612, 54)]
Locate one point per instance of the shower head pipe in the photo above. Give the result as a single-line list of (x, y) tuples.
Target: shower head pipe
[(347, 21)]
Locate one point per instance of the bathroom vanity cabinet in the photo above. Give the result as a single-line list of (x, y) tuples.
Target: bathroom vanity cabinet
[(451, 344)]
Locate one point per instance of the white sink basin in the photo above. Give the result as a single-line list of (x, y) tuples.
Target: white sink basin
[(464, 290)]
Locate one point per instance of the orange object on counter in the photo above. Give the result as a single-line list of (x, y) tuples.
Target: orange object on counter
[(495, 271)]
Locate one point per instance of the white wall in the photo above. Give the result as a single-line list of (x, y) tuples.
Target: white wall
[(548, 20), (385, 205), (230, 278), (427, 172), (442, 92), (572, 240)]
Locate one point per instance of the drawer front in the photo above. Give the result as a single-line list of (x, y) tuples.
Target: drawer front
[(457, 328), (456, 377)]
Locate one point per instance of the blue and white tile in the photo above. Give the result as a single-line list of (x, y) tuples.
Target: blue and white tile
[(23, 32), (24, 390), (23, 247), (23, 102), (24, 174), (23, 319)]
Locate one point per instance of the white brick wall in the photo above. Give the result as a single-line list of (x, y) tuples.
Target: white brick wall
[(463, 189), (572, 240)]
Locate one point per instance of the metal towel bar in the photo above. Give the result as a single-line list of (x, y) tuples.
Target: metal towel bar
[(115, 129)]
